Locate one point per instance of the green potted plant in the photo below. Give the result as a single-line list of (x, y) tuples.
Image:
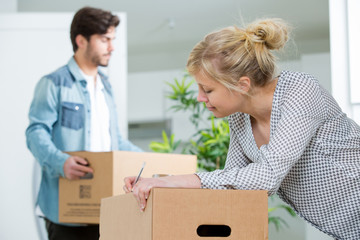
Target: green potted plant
[(209, 144)]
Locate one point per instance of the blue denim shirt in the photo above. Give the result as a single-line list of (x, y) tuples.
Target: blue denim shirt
[(60, 121)]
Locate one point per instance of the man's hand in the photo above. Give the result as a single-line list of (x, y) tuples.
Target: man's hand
[(76, 167)]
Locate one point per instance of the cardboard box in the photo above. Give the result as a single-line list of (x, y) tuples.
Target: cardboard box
[(79, 200), (178, 214)]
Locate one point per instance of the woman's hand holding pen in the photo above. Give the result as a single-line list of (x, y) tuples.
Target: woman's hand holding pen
[(141, 189)]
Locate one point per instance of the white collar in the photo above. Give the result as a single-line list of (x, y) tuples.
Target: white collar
[(90, 80)]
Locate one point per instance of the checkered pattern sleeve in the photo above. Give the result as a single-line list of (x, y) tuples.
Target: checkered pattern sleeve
[(236, 159), (302, 112)]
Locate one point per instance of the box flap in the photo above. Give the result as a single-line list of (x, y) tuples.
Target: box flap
[(121, 218)]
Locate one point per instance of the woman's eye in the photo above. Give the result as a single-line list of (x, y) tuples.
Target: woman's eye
[(208, 91)]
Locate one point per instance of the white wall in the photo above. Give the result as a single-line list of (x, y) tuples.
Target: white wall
[(353, 19), (318, 64), (8, 6), (22, 66), (339, 54), (353, 23), (146, 95), (32, 45), (344, 35)]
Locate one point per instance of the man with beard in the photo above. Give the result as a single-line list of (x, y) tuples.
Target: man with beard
[(73, 110)]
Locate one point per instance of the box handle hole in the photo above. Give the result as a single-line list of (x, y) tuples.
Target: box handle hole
[(213, 231)]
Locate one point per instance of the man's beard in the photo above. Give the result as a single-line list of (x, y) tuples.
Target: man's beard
[(97, 61), (96, 58)]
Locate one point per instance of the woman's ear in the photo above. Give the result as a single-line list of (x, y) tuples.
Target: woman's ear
[(244, 84), (81, 41)]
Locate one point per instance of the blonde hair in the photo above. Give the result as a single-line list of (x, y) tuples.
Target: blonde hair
[(232, 52)]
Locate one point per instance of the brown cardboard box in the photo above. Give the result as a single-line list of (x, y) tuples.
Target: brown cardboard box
[(178, 214), (79, 200)]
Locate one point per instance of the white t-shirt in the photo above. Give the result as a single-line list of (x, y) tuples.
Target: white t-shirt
[(100, 139)]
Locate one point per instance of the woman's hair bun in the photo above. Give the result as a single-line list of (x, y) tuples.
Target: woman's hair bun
[(272, 32)]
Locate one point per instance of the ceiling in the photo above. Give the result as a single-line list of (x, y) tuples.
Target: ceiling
[(161, 33)]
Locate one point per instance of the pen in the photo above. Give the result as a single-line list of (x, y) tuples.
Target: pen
[(137, 178)]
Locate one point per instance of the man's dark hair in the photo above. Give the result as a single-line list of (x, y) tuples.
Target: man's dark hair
[(89, 21)]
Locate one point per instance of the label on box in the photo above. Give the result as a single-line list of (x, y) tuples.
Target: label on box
[(82, 210)]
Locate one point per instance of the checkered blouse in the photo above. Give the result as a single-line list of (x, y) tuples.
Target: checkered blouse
[(312, 160)]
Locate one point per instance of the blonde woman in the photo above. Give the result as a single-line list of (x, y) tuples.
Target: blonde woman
[(287, 134)]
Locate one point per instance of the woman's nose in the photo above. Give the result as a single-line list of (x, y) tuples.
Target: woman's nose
[(202, 97)]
